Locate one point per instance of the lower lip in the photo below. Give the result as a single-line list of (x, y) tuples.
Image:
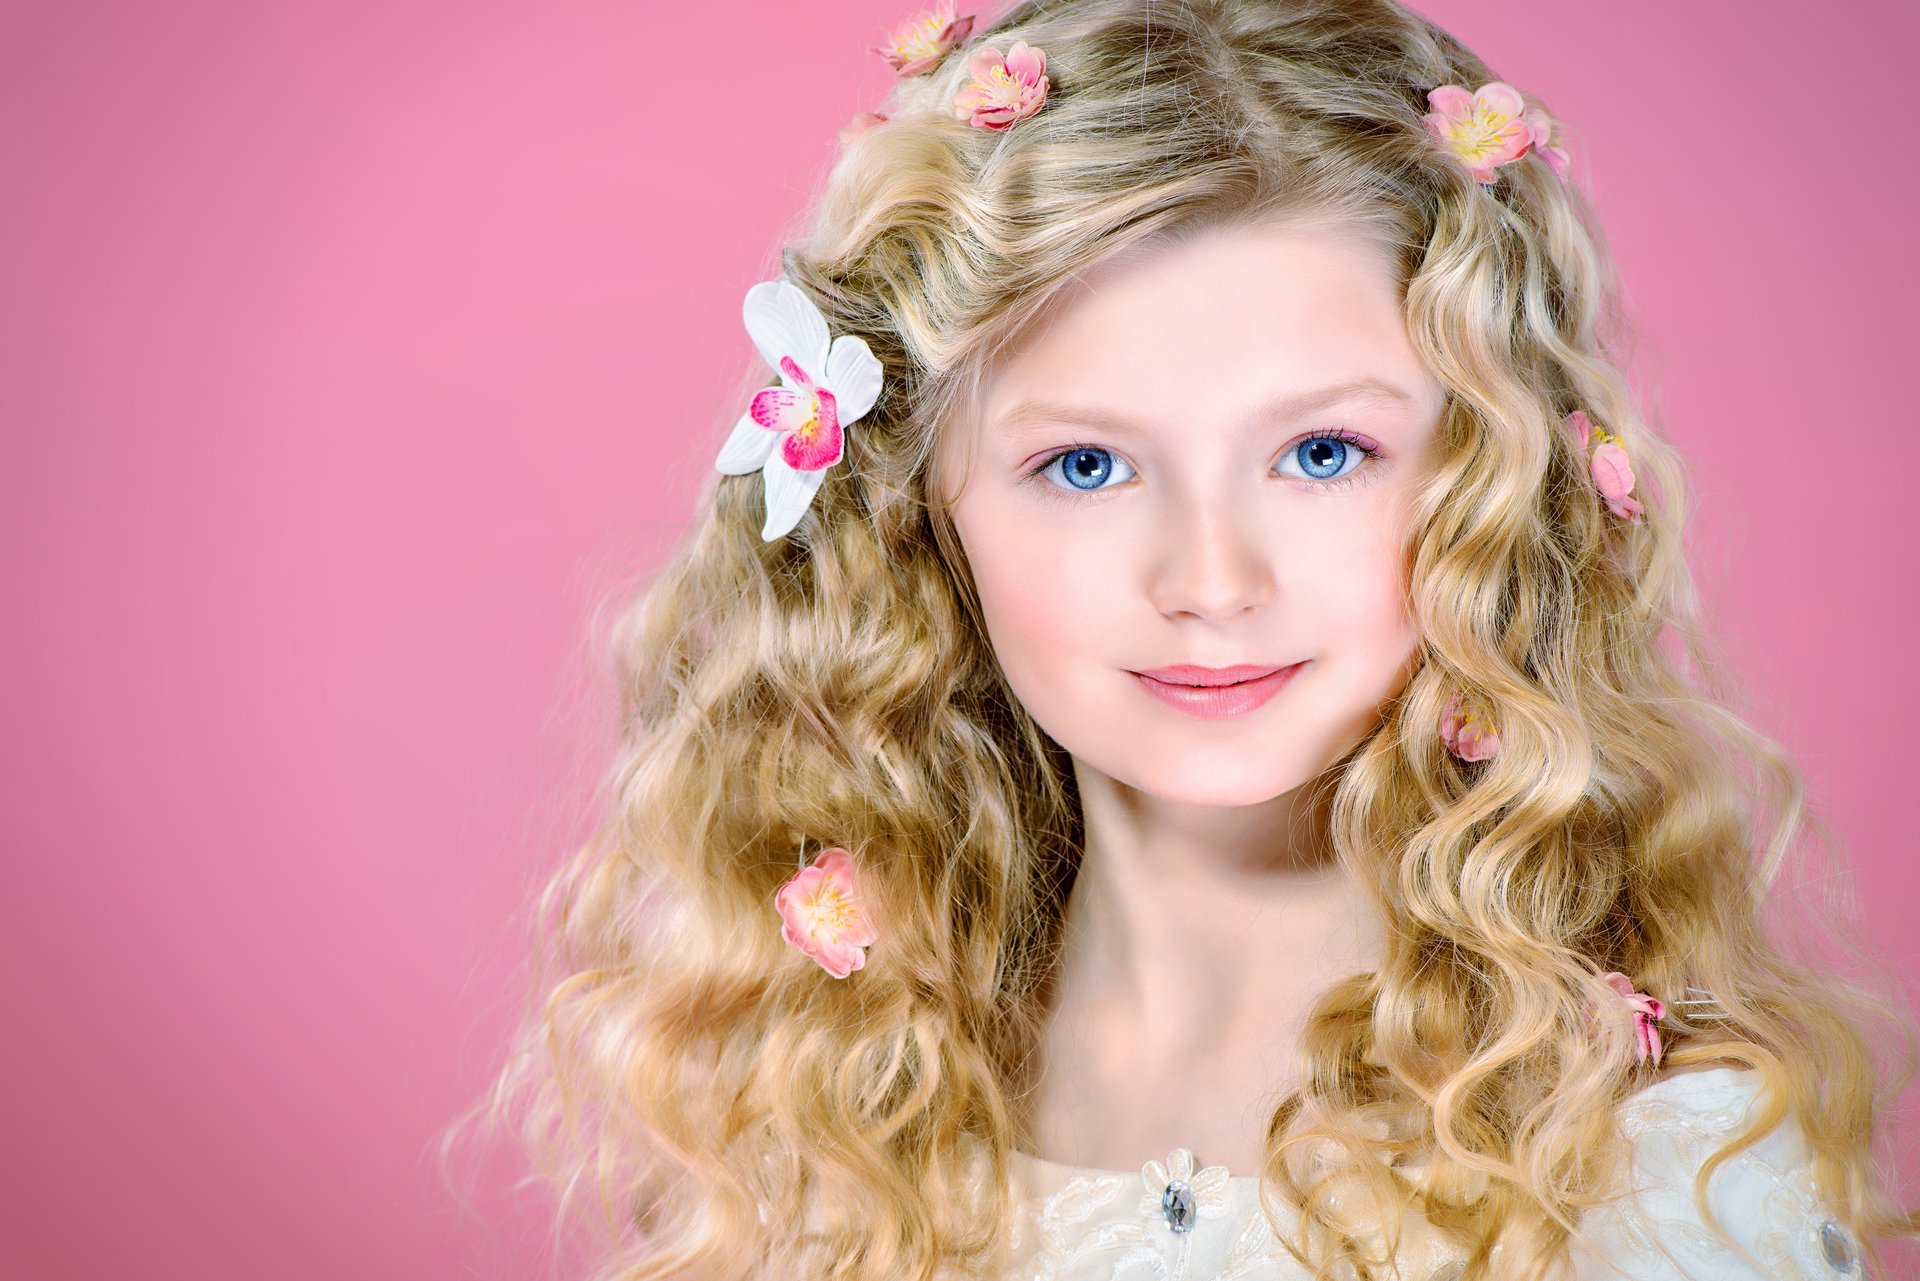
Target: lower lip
[(1219, 700)]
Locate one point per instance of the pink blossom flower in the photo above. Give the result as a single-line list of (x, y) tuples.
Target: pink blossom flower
[(822, 915), (1486, 128), (1467, 728), (859, 125), (1646, 1012), (1003, 89), (1541, 126), (791, 434), (1611, 470), (916, 43)]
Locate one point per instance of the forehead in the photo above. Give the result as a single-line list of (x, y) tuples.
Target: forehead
[(1219, 326)]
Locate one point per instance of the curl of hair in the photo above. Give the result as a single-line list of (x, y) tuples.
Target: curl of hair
[(739, 1114)]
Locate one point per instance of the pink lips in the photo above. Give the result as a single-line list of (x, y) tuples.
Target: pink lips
[(1216, 691)]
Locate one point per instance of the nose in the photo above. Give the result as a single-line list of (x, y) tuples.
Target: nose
[(1213, 563)]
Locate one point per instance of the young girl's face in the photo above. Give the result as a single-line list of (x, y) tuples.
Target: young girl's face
[(1205, 457)]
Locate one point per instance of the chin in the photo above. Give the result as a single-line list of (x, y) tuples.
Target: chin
[(1206, 779)]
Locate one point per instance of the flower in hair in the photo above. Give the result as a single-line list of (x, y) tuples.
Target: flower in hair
[(822, 915), (1541, 124), (1486, 128), (1467, 728), (792, 433), (1003, 88), (1612, 472), (917, 43), (859, 125), (1647, 1011)]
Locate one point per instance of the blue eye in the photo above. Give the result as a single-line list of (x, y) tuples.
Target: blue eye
[(1330, 459), (1084, 467), (1323, 457)]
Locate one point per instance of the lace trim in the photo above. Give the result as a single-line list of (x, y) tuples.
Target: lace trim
[(1078, 1224)]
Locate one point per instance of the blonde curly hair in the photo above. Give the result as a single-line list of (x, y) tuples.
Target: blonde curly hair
[(717, 1093)]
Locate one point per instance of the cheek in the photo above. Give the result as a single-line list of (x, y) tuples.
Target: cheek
[(1038, 611), (1047, 615), (1380, 605), (1354, 583), (1378, 620)]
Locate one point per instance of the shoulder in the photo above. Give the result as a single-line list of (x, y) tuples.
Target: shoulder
[(1765, 1199)]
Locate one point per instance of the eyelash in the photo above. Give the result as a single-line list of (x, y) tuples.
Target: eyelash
[(1052, 491)]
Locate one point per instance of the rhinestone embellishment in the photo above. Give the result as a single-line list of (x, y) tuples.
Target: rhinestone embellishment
[(1837, 1244), (1179, 1195), (1176, 1206)]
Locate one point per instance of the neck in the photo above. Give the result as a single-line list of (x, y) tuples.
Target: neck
[(1208, 923)]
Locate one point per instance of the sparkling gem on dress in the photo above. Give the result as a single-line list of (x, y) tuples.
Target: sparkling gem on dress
[(1176, 1204), (1837, 1244), (1180, 1195)]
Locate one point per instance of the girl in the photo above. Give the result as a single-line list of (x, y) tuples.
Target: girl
[(1178, 744)]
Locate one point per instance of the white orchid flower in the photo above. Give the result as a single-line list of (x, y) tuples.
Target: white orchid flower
[(791, 433)]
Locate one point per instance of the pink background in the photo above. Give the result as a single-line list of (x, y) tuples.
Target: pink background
[(351, 351)]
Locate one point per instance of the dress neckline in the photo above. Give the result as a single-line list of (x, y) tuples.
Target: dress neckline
[(1662, 1086), (1066, 1171)]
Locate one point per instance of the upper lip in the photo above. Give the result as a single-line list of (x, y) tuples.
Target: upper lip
[(1189, 674)]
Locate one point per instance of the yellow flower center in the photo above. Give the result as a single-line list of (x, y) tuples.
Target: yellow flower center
[(1001, 84), (811, 427), (828, 913), (924, 40), (1479, 134)]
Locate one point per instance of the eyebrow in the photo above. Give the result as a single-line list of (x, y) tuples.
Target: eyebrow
[(1036, 413)]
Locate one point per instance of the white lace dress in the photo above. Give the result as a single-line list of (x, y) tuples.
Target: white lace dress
[(1172, 1222)]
